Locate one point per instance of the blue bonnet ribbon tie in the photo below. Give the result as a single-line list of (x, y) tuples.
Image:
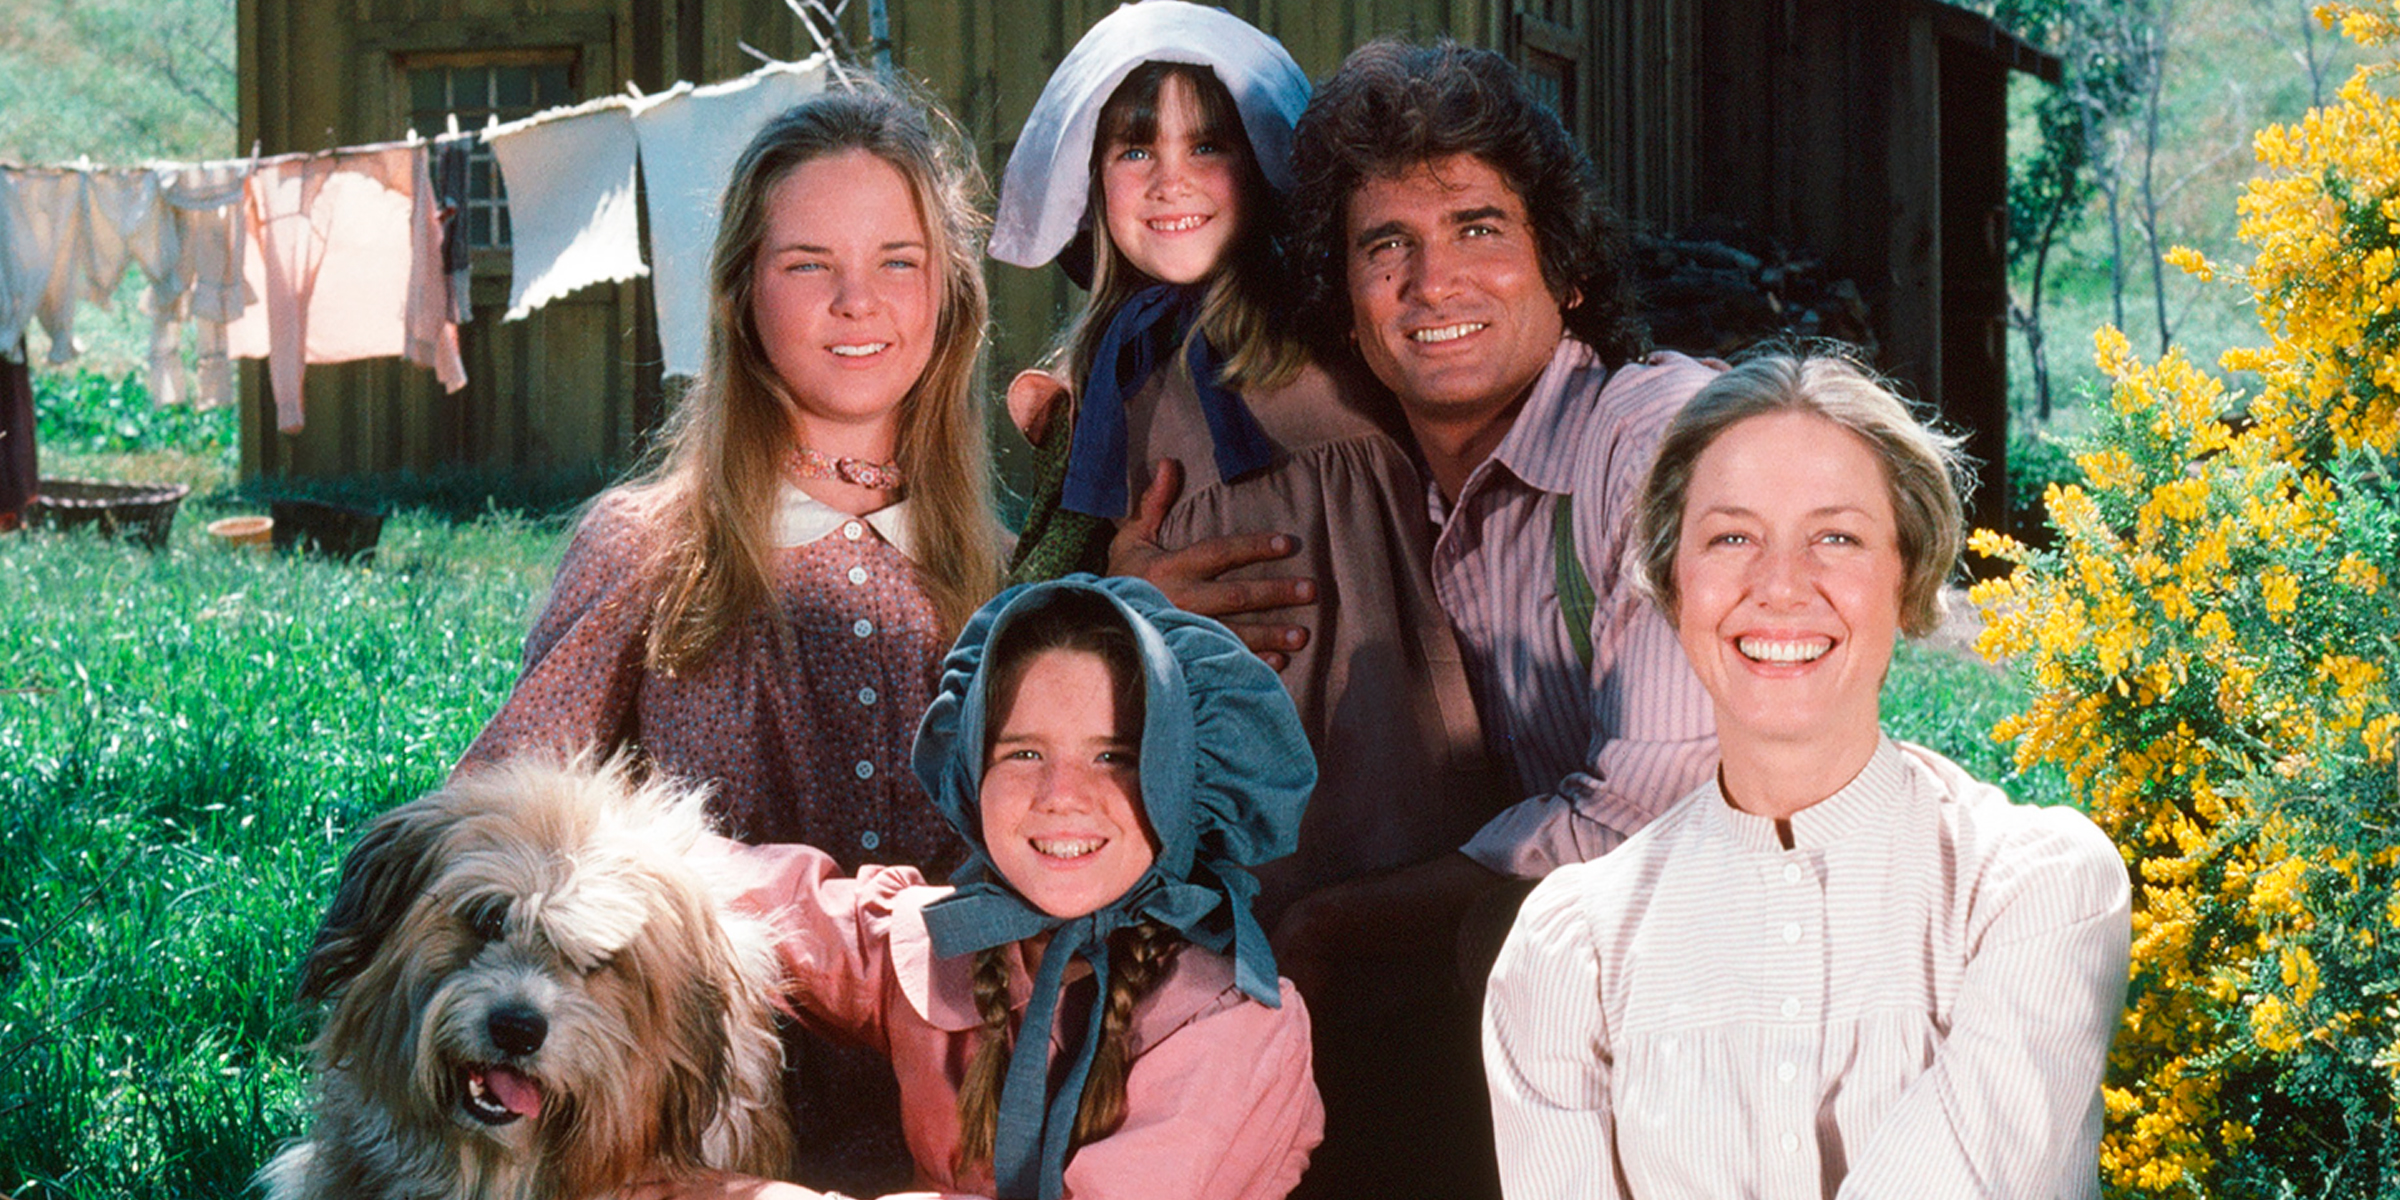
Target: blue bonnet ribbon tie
[(1136, 340), (1226, 772), (1037, 1125)]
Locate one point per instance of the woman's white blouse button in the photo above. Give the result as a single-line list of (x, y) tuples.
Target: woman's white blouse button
[(1791, 931), (1791, 872), (853, 530), (1791, 1143), (865, 769), (1786, 1072), (858, 574), (866, 695), (862, 627), (1791, 1006)]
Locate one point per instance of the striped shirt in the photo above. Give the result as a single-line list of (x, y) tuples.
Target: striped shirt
[(1598, 752), (1915, 1000)]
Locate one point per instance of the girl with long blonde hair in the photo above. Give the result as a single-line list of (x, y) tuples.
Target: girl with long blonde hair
[(766, 606)]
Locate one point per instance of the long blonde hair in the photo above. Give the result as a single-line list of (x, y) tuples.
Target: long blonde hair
[(1239, 312), (717, 475)]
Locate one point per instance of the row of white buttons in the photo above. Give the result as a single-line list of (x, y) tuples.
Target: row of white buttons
[(863, 628)]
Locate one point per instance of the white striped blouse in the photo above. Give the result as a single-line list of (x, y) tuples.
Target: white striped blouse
[(1916, 1000), (1598, 752)]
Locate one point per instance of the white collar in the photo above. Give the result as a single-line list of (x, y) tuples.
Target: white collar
[(801, 518)]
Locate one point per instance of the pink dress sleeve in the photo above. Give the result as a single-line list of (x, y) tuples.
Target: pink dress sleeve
[(832, 932), (583, 659), (1224, 1108)]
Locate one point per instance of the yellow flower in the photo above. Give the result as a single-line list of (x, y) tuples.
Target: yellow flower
[(2279, 590)]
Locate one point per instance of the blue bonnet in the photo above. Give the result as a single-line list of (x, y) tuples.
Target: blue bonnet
[(1225, 775)]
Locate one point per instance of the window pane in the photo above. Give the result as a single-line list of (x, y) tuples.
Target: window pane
[(479, 227), (470, 87), (503, 239), (551, 85), (516, 87), (425, 93)]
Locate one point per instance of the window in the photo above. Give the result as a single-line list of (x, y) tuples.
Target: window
[(475, 89)]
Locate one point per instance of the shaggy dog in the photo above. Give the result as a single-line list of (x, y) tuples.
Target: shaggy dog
[(532, 996)]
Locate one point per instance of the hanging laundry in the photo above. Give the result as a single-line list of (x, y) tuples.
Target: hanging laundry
[(24, 265), (572, 221), (346, 252), (122, 226), (690, 138), (197, 277), (450, 186), (50, 222)]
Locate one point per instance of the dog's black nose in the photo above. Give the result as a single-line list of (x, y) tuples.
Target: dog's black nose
[(517, 1029)]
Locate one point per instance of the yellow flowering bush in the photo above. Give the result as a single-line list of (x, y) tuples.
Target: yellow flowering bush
[(2211, 648)]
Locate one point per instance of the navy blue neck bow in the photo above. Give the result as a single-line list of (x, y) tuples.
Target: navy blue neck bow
[(1144, 332)]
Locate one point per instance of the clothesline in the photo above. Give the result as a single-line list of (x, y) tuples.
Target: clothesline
[(236, 247)]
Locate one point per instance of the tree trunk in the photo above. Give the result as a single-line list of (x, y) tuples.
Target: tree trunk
[(2154, 57)]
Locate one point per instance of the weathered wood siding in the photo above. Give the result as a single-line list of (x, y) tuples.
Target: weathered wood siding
[(1874, 133)]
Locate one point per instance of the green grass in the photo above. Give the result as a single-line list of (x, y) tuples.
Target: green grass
[(187, 741)]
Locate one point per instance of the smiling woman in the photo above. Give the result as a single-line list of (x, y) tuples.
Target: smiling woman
[(1843, 963)]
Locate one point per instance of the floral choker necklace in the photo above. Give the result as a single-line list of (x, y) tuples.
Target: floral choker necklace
[(804, 463)]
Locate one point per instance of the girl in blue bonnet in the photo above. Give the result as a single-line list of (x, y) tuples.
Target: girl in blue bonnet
[(1115, 766)]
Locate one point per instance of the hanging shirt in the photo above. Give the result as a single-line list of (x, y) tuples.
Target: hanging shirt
[(196, 276), (690, 138), (357, 217), (571, 216)]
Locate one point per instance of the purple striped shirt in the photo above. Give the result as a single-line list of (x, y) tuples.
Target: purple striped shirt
[(1599, 753)]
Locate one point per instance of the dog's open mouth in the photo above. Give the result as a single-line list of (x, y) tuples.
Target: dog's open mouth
[(497, 1095)]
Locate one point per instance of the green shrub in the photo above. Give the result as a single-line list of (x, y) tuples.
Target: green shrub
[(90, 413)]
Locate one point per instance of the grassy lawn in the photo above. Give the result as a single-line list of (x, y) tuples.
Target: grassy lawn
[(188, 741)]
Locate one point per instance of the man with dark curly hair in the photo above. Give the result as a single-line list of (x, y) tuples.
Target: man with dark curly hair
[(1453, 236)]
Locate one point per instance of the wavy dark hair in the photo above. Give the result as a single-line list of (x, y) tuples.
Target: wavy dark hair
[(1395, 105)]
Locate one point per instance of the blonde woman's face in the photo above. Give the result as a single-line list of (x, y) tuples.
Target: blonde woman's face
[(1787, 575), (846, 297), (1174, 203)]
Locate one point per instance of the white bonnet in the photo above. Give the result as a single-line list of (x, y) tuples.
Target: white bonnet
[(1045, 189)]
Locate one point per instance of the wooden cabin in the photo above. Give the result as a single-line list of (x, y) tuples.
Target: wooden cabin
[(1869, 131)]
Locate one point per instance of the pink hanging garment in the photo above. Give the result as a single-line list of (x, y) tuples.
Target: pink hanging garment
[(346, 251)]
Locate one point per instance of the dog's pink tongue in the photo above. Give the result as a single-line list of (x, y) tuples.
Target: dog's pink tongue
[(522, 1096)]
